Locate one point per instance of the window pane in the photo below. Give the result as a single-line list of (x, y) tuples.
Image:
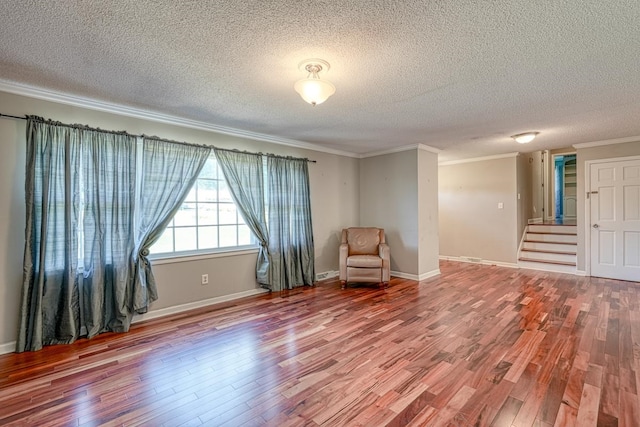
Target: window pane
[(228, 235), (207, 190), (191, 197), (240, 218), (207, 213), (186, 215), (186, 239), (244, 235), (209, 170), (164, 243), (207, 237), (224, 194), (227, 213)]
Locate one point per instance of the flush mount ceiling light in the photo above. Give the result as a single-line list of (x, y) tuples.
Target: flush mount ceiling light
[(313, 89), (523, 138)]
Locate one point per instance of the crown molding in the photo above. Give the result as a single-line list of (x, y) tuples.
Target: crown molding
[(138, 113), (478, 159), (429, 148), (401, 149), (607, 142)]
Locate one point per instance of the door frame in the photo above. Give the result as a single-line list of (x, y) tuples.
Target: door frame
[(587, 204)]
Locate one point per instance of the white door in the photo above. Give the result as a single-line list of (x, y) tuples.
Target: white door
[(615, 219)]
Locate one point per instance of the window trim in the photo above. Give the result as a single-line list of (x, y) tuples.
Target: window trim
[(188, 256)]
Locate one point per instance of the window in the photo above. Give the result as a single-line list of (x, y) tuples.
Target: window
[(207, 221)]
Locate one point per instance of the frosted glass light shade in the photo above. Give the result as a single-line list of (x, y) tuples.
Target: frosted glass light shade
[(524, 138), (314, 91)]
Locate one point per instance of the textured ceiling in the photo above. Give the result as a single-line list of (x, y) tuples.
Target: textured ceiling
[(461, 76)]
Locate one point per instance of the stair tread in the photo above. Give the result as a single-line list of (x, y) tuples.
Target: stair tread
[(546, 261), (552, 233), (545, 251), (548, 241)]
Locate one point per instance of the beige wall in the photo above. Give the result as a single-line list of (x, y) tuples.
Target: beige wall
[(334, 202), (429, 250), (399, 192), (389, 200), (612, 151), (12, 224), (471, 225)]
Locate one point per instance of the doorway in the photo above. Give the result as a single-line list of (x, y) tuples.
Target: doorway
[(564, 194)]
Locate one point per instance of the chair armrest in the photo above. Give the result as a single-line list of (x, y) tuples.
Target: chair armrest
[(383, 251), (385, 254), (344, 254)]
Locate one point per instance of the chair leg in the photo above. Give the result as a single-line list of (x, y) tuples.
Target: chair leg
[(343, 284)]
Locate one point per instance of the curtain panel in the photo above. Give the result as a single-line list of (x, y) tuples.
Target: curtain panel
[(244, 175), (80, 188), (169, 170), (291, 250)]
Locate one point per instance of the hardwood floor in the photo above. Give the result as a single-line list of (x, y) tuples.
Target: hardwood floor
[(476, 346)]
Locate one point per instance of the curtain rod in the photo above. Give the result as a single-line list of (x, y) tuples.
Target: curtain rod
[(12, 117), (167, 140)]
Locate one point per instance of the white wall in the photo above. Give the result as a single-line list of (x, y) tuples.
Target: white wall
[(334, 202), (471, 224), (611, 151)]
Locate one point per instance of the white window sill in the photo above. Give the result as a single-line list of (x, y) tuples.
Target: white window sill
[(172, 259)]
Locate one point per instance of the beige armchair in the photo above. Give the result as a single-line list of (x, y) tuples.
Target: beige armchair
[(364, 256)]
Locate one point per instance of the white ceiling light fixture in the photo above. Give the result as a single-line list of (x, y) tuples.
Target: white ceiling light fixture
[(313, 89), (523, 138)]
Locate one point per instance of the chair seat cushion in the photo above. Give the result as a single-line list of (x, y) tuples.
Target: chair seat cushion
[(364, 261)]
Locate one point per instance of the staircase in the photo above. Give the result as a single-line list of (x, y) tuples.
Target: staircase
[(550, 247)]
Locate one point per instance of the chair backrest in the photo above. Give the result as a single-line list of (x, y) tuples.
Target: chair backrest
[(363, 240)]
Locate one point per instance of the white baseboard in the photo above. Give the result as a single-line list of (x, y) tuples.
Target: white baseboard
[(196, 304), (429, 274), (8, 347), (551, 268), (325, 275), (415, 277), (478, 261), (402, 275), (581, 273)]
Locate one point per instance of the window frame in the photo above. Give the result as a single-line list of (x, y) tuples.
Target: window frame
[(207, 253)]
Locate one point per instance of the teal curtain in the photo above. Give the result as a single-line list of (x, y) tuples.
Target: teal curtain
[(169, 170), (244, 175), (291, 252), (80, 188)]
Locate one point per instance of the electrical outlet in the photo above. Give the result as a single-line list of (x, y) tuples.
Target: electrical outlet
[(205, 279), (500, 205)]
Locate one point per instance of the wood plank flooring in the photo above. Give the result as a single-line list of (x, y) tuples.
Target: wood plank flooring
[(475, 346)]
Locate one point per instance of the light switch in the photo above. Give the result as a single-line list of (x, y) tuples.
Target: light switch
[(500, 205)]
